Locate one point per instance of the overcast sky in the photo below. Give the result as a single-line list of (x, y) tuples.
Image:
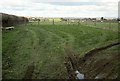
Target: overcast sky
[(60, 8)]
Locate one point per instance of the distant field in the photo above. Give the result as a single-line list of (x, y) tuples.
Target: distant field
[(105, 25), (43, 44)]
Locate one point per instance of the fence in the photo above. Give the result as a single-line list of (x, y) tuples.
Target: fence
[(105, 24)]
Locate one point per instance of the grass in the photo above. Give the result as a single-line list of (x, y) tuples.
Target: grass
[(105, 25), (44, 45), (104, 64)]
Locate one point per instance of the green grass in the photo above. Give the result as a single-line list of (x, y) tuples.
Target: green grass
[(44, 45), (106, 25)]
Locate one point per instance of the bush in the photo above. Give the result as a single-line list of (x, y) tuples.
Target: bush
[(12, 20)]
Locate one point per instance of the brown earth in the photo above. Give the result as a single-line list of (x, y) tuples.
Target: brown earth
[(29, 71), (90, 66), (96, 50)]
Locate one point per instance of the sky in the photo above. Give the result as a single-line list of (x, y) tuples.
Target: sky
[(61, 8)]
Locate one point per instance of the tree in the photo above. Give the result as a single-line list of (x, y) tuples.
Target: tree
[(102, 18), (118, 19), (63, 19)]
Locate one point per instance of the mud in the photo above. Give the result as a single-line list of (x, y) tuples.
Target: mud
[(71, 62), (29, 72), (105, 66), (96, 50), (88, 66)]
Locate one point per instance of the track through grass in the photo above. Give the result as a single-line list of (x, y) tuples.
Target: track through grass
[(44, 46)]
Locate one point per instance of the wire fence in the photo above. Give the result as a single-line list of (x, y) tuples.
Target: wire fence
[(111, 25)]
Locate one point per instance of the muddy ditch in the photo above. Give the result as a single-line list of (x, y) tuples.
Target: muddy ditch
[(96, 50), (87, 65)]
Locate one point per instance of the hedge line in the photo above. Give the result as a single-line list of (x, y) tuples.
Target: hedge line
[(12, 20)]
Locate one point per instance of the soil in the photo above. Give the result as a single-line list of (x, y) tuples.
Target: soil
[(29, 71), (71, 62), (87, 65), (96, 50)]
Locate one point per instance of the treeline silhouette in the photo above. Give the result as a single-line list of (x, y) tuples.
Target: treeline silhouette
[(12, 20)]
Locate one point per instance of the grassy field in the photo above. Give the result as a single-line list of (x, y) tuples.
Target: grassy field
[(43, 46), (104, 25)]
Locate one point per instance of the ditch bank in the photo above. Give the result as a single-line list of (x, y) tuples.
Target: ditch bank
[(90, 67)]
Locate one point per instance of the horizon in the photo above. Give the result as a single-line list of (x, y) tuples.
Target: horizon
[(59, 17)]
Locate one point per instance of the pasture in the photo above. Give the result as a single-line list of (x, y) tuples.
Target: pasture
[(41, 47)]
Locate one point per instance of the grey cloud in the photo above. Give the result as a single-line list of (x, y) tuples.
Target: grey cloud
[(75, 3), (35, 7)]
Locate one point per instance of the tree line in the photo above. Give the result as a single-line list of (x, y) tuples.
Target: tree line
[(12, 20)]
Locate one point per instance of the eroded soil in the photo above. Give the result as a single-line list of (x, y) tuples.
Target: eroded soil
[(90, 66)]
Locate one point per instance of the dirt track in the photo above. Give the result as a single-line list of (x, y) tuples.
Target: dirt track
[(71, 62)]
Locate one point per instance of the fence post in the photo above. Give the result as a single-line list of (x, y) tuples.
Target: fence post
[(78, 22), (95, 22), (53, 22), (86, 21), (109, 24), (68, 21), (38, 21)]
